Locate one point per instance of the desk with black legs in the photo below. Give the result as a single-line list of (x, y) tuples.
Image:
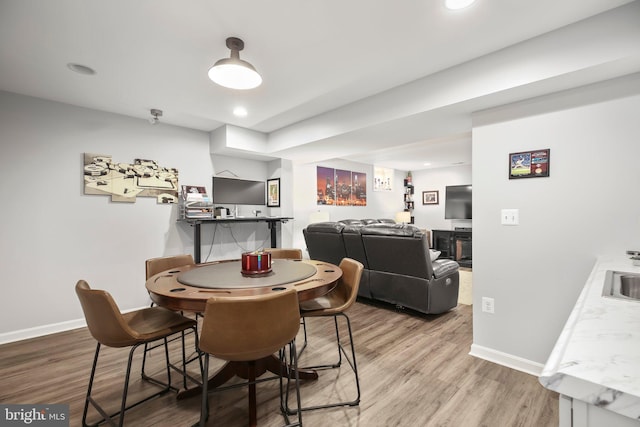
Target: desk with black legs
[(189, 287), (272, 222)]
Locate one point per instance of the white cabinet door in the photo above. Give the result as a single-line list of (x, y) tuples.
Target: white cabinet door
[(576, 413)]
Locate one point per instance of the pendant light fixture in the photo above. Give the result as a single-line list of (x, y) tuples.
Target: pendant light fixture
[(233, 72)]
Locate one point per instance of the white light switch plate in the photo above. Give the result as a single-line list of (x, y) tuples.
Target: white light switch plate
[(510, 217)]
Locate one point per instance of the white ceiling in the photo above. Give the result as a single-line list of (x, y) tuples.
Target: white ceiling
[(358, 79)]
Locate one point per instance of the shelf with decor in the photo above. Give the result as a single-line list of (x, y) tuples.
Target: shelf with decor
[(408, 197)]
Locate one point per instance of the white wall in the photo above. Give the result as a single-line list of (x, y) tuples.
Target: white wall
[(432, 216), (53, 234), (380, 204), (588, 206)]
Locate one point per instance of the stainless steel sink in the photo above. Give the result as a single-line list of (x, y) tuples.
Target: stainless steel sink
[(622, 285), (630, 286)]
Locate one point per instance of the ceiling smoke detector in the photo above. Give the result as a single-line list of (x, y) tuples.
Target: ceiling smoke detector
[(156, 114)]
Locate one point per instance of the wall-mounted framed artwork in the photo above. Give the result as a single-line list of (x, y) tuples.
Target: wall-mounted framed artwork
[(382, 179), (430, 197), (339, 187), (124, 182), (529, 164), (273, 193)]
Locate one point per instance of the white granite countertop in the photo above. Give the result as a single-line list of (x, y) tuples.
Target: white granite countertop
[(597, 356)]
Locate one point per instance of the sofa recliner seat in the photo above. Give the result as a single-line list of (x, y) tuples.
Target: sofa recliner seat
[(398, 266)]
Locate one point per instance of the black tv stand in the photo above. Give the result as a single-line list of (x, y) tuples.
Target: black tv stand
[(454, 244)]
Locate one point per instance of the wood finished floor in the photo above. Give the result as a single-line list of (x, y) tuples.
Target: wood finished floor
[(414, 371)]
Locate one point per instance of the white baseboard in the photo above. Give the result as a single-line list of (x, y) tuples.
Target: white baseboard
[(38, 331), (508, 360)]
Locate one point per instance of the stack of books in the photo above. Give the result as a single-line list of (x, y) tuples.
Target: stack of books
[(195, 203)]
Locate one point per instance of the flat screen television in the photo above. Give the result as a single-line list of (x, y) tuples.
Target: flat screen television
[(234, 191), (457, 203)]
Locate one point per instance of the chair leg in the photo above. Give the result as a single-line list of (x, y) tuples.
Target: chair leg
[(204, 406), (182, 371), (352, 363), (148, 348), (88, 398), (184, 362), (303, 322), (284, 395), (123, 405)]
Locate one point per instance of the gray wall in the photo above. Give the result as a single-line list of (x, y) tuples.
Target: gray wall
[(53, 234), (432, 216), (587, 207), (380, 204)]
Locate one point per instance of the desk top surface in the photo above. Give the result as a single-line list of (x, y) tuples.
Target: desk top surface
[(238, 219)]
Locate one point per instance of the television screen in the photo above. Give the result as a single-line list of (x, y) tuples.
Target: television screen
[(458, 202), (233, 191)]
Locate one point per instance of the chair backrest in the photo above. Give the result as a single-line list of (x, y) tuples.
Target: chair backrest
[(250, 328), (156, 265), (349, 283), (104, 320), (284, 253)]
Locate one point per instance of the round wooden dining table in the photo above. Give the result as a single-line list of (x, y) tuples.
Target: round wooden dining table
[(188, 288)]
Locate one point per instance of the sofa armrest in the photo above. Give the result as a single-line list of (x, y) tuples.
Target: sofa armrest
[(444, 267)]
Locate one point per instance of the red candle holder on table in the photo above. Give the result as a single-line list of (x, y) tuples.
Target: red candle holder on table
[(257, 262)]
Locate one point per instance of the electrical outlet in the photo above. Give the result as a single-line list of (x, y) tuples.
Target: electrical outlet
[(487, 305)]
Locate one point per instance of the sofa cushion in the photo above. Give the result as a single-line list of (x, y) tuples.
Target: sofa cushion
[(370, 221), (387, 221), (326, 227), (351, 222), (398, 230)]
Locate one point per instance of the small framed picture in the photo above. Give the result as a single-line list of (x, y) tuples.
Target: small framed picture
[(273, 193), (529, 164), (430, 197)]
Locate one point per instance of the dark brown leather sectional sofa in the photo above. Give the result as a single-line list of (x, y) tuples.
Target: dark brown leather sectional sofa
[(397, 262)]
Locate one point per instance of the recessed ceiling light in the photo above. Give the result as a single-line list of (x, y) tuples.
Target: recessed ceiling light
[(240, 112), (81, 69), (427, 164), (458, 4)]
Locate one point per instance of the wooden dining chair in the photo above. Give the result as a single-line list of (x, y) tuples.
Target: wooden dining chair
[(109, 327), (290, 253), (335, 304), (154, 266), (284, 253), (247, 330)]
